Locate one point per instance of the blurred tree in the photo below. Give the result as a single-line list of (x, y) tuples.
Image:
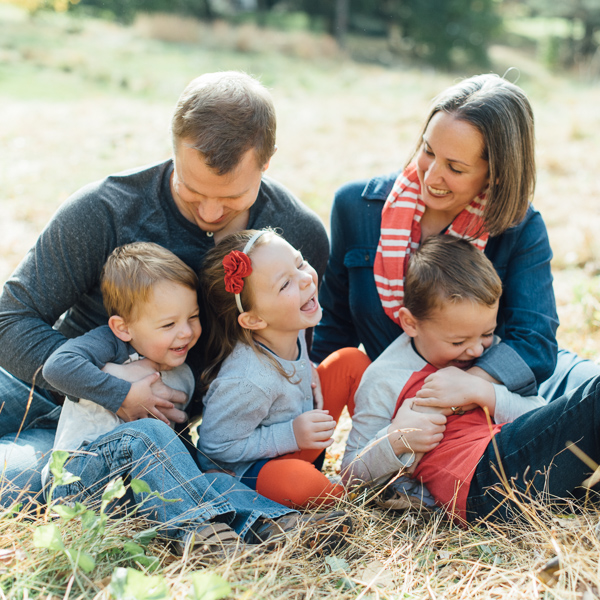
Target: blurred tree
[(33, 6), (125, 10), (583, 14), (439, 30), (341, 20), (435, 30)]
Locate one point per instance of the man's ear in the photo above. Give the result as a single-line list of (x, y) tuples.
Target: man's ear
[(120, 328), (249, 320), (266, 165), (408, 322)]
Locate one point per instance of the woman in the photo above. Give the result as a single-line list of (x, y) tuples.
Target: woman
[(472, 175), (474, 166)]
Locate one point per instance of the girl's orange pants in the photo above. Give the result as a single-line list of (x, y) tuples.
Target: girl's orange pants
[(292, 479)]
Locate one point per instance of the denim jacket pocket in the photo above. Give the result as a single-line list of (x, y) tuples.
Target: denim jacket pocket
[(360, 257)]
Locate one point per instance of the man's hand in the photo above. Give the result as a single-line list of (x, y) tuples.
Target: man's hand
[(313, 429), (151, 397)]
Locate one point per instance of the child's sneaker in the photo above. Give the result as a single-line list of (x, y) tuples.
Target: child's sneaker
[(405, 492)]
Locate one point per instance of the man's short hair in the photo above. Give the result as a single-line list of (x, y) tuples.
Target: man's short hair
[(223, 115), (131, 272), (448, 269)]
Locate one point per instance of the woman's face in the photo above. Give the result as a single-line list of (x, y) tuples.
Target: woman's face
[(449, 164)]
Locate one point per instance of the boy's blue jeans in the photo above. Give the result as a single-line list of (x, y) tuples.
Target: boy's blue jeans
[(140, 449), (150, 450)]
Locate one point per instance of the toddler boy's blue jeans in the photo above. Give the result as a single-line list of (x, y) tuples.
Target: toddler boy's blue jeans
[(151, 451)]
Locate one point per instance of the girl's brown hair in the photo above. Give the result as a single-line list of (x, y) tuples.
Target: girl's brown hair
[(501, 112), (224, 330)]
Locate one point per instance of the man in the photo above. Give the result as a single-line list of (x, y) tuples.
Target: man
[(223, 132)]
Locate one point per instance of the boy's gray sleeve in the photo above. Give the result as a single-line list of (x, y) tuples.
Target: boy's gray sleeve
[(369, 455), (74, 368), (510, 406)]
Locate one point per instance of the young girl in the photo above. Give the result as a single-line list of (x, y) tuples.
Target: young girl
[(259, 419)]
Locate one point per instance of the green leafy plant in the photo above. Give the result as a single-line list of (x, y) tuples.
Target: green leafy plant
[(83, 536), (80, 541)]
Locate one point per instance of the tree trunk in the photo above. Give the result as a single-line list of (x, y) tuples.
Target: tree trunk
[(341, 21)]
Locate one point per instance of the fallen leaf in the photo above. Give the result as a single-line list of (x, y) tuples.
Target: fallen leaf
[(547, 573), (376, 573)]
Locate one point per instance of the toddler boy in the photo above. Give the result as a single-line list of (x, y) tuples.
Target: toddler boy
[(151, 299)]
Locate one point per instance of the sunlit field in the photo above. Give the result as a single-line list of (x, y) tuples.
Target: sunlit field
[(84, 98)]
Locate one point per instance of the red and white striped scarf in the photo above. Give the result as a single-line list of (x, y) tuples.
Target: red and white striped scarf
[(401, 236)]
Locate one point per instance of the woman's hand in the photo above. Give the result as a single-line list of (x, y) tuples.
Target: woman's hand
[(452, 388), (412, 431), (148, 395)]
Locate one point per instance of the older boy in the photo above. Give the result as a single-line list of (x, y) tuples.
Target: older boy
[(449, 316)]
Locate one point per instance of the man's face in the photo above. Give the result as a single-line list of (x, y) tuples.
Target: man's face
[(216, 203)]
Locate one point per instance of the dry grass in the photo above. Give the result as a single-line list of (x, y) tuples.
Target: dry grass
[(407, 554), (81, 99)]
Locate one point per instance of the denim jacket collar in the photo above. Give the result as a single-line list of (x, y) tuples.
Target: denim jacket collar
[(379, 188)]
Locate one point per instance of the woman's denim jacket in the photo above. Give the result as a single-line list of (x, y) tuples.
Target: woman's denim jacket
[(352, 311)]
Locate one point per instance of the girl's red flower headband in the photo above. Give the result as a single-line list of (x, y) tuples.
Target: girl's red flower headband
[(238, 265)]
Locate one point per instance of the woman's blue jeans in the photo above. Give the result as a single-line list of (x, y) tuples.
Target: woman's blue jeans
[(532, 452), (151, 451)]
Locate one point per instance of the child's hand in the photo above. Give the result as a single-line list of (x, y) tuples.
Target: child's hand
[(452, 387), (412, 431), (313, 429), (171, 399), (145, 399)]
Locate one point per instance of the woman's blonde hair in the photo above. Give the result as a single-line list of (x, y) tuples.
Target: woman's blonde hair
[(501, 112), (224, 330)]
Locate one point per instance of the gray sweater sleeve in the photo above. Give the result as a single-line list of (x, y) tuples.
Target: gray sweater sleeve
[(74, 369), (369, 455), (64, 264)]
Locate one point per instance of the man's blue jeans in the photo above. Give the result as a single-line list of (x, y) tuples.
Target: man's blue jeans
[(150, 450), (26, 438), (532, 453)]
